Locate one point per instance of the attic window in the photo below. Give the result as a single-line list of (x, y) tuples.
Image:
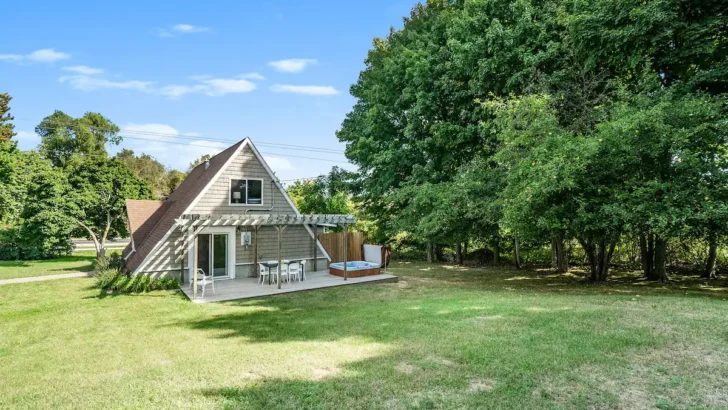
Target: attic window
[(246, 191)]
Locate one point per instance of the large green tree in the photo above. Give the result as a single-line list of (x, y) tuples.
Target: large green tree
[(95, 197), (64, 137)]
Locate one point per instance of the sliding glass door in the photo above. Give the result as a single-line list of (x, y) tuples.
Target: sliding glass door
[(212, 254), (219, 255)]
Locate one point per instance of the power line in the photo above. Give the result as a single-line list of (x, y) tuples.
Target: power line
[(210, 146), (269, 144), (216, 147), (213, 139)]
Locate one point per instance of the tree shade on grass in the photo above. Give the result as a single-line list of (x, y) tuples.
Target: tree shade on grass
[(443, 337)]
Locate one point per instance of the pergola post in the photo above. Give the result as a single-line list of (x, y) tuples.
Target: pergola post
[(255, 251), (346, 250), (194, 270), (280, 229), (315, 239)]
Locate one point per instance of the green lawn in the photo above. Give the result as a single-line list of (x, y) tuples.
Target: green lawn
[(80, 261), (442, 337)]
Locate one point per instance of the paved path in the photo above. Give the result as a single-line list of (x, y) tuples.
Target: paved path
[(44, 278)]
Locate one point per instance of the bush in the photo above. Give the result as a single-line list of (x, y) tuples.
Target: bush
[(13, 246), (112, 280)]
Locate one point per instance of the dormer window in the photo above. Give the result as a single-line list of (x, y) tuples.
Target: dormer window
[(246, 191)]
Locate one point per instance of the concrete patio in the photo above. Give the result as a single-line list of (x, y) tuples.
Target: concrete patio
[(246, 288)]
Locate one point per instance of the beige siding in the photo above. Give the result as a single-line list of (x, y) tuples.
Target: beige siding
[(296, 243), (165, 262), (216, 200)]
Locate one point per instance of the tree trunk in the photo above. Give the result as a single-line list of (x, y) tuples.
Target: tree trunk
[(646, 256), (600, 257), (558, 250), (496, 252), (429, 251), (459, 253), (438, 253), (712, 256), (590, 252), (647, 253), (517, 253), (660, 268), (604, 258)]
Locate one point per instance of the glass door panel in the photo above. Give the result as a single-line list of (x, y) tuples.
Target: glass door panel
[(203, 252), (219, 254)]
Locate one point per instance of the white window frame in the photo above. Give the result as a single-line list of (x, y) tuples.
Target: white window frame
[(230, 231), (230, 191)]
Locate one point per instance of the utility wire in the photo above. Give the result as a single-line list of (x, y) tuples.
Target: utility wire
[(216, 147), (213, 139), (210, 146)]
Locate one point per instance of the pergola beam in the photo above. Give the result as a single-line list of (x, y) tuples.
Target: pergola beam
[(187, 222)]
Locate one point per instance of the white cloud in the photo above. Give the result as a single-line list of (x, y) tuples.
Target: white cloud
[(27, 140), (46, 55), (151, 128), (175, 91), (180, 29), (214, 87), (292, 65), (251, 76), (82, 69), (222, 86), (188, 28), (88, 83), (278, 163), (88, 80), (305, 89)]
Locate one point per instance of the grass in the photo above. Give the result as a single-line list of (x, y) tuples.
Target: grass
[(80, 261), (443, 337)]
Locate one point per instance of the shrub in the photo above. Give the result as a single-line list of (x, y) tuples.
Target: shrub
[(112, 280)]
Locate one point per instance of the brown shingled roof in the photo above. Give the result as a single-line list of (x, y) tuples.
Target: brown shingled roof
[(162, 219)]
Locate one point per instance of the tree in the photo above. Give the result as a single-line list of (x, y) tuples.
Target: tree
[(97, 195), (327, 194), (6, 128), (17, 170), (147, 168), (564, 80), (172, 179), (89, 194), (63, 137), (203, 158), (46, 227)]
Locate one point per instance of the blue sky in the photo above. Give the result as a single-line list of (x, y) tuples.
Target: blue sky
[(276, 71)]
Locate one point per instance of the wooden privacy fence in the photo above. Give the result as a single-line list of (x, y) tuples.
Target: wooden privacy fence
[(333, 242)]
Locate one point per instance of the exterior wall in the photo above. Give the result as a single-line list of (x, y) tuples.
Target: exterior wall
[(296, 241), (216, 200), (165, 262)]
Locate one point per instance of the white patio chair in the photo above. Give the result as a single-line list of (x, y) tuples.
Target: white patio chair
[(293, 272), (284, 272), (202, 281), (273, 272), (263, 273), (303, 269)]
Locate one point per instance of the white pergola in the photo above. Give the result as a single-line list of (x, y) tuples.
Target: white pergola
[(192, 224)]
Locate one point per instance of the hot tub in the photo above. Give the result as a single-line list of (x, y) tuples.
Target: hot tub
[(354, 269)]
